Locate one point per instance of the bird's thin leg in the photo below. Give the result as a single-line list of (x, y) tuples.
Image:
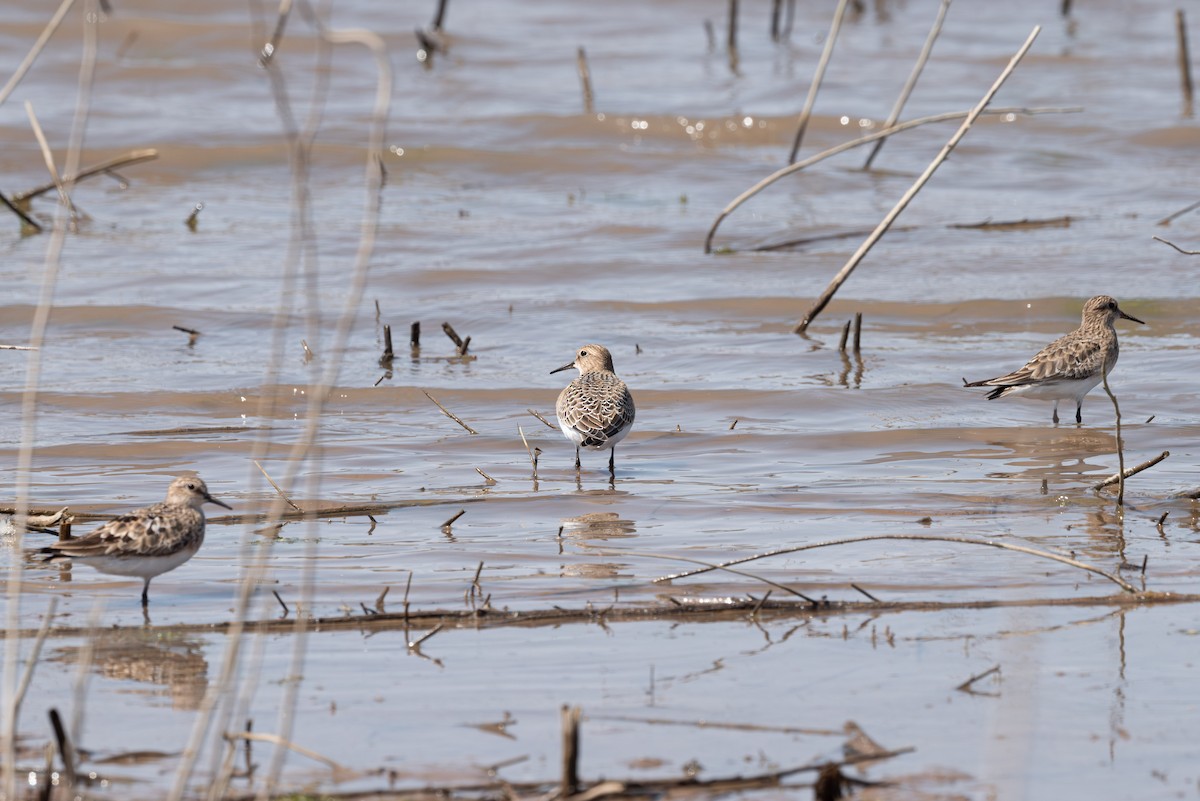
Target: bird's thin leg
[(146, 593), (612, 454), (1079, 412), (578, 466), (1056, 413)]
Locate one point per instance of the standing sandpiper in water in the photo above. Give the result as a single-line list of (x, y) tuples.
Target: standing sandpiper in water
[(146, 542), (1070, 366), (595, 410)]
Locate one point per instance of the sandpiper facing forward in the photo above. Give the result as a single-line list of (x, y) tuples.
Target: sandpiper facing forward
[(595, 410), (147, 542), (1070, 366)]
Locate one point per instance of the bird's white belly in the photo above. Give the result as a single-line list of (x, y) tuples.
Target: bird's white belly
[(1058, 390), (139, 566)]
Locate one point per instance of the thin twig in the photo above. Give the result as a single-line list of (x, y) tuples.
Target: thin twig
[(129, 159), (446, 526), (66, 750), (286, 611), (1171, 217), (532, 457), (416, 644), (48, 157), (449, 414), (34, 655), (818, 76), (1120, 444), (887, 221), (26, 220), (913, 76), (966, 685), (1185, 63), (486, 477), (864, 592), (783, 172), (545, 422), (34, 51), (1116, 477), (278, 489), (707, 567), (1181, 250), (912, 537)]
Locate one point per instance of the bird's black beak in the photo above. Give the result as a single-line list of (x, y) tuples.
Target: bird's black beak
[(1130, 317), (566, 366), (211, 499)]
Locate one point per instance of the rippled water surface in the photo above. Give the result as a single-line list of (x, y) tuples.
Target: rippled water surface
[(533, 227)]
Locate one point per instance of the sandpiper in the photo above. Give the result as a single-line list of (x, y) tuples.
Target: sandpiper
[(595, 410), (1070, 366), (145, 542)]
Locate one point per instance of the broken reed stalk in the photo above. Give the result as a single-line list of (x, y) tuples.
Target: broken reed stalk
[(193, 218), (818, 76), (533, 460), (34, 654), (459, 342), (845, 337), (277, 488), (26, 221), (131, 158), (414, 337), (585, 79), (570, 752), (783, 172), (446, 526), (873, 537), (274, 739), (1120, 444), (388, 354), (34, 51), (857, 333), (545, 422), (776, 13), (1170, 217), (440, 16), (1133, 471), (913, 76), (65, 749), (1185, 63), (887, 221), (966, 685), (731, 39), (450, 414), (486, 477), (48, 157)]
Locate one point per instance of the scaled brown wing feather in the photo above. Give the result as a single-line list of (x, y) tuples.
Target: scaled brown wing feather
[(145, 533), (591, 406), (1066, 359)]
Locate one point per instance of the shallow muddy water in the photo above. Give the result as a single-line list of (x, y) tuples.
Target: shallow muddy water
[(533, 228)]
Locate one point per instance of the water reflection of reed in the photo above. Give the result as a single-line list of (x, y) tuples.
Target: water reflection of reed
[(174, 663)]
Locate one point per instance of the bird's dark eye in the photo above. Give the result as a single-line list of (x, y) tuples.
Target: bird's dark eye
[(191, 486), (583, 353)]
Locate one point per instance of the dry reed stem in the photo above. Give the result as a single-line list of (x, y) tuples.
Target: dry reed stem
[(871, 538), (278, 489), (1181, 250), (1133, 471), (887, 221), (713, 724), (585, 78), (1171, 217), (48, 158), (783, 172), (913, 77), (450, 414), (1120, 444), (264, 737), (37, 48), (29, 394), (131, 158), (545, 422), (486, 477), (707, 567), (26, 220), (570, 750), (819, 75), (1185, 63), (34, 654)]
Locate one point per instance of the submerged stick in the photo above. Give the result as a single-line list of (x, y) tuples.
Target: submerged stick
[(1170, 217), (966, 685), (818, 76), (440, 16), (65, 749), (913, 76), (26, 220), (539, 416), (857, 333), (1133, 471), (887, 221), (460, 343), (450, 414), (1181, 250), (388, 354), (193, 218), (282, 494), (783, 172), (585, 79)]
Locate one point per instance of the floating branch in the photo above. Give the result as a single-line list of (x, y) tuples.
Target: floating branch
[(133, 157), (913, 76), (783, 172), (818, 76), (192, 218), (1117, 477), (486, 477), (450, 414), (966, 685), (446, 526), (28, 225), (585, 79), (887, 221), (1016, 225), (277, 740)]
